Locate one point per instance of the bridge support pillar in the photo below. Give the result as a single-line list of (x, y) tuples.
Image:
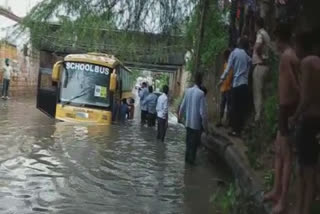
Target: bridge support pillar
[(178, 81)]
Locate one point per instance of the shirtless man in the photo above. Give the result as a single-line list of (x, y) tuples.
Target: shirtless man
[(307, 119), (288, 92)]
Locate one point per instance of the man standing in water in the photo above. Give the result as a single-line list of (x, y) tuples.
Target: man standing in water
[(162, 113), (124, 109), (194, 106), (151, 102), (7, 71), (307, 119), (288, 93), (143, 93)]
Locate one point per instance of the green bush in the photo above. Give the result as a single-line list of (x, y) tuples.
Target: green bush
[(215, 37), (258, 138), (268, 179), (271, 112), (224, 201), (233, 201), (176, 104), (271, 103)]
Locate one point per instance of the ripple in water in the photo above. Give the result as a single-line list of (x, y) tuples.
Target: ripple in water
[(49, 167)]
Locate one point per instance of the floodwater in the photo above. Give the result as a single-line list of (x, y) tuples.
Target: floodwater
[(56, 167)]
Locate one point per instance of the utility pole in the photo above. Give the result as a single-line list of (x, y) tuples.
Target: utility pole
[(232, 29), (203, 12), (6, 13)]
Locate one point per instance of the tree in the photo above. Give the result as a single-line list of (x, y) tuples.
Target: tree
[(130, 29), (211, 41), (87, 24)]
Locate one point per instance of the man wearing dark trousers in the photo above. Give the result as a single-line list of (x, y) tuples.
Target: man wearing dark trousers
[(307, 119), (194, 107), (151, 102), (7, 72), (162, 113), (143, 93), (240, 62)]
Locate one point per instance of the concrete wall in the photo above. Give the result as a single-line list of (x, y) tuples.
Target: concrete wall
[(178, 82), (184, 80), (25, 64), (210, 80), (174, 83)]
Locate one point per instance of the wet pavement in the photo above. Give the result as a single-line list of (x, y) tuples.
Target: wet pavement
[(56, 167)]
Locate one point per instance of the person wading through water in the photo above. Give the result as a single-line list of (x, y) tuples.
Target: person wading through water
[(151, 102), (143, 93), (194, 108), (163, 113)]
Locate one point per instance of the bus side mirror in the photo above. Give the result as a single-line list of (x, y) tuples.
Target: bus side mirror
[(56, 71), (113, 81)]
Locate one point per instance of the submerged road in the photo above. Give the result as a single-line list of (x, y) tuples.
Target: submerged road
[(56, 167)]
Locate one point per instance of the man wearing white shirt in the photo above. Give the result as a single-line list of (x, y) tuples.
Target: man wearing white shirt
[(261, 68), (7, 71), (162, 113)]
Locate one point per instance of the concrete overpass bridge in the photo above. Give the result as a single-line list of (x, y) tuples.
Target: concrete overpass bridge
[(157, 53), (169, 59)]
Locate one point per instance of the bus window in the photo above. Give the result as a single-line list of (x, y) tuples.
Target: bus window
[(86, 84)]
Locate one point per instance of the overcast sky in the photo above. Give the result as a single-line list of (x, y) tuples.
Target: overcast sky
[(18, 7)]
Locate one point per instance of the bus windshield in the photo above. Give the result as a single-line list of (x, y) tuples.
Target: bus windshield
[(85, 84)]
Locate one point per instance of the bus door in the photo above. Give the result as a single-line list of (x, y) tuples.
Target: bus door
[(47, 93)]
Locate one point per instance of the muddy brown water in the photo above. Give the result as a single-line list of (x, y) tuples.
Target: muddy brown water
[(57, 167)]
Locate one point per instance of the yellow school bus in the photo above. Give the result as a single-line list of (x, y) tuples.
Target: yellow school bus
[(84, 88)]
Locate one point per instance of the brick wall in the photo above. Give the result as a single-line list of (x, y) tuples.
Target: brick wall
[(25, 65), (178, 82)]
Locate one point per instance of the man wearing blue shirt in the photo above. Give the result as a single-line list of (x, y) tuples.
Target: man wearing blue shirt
[(143, 93), (151, 102), (195, 109), (240, 62)]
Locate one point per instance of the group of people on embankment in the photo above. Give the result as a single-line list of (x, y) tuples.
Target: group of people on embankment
[(299, 105), (234, 81)]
